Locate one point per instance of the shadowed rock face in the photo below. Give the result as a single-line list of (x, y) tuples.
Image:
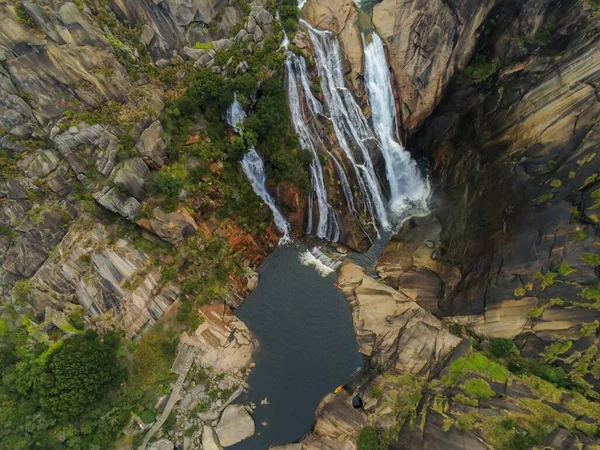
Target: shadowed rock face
[(510, 248), (510, 162), (428, 42)]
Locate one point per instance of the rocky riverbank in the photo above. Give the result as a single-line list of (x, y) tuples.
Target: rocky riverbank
[(213, 364)]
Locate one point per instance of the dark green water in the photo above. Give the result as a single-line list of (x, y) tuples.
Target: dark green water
[(307, 347)]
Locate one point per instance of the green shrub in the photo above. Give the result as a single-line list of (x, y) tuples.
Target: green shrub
[(76, 319), (474, 363), (547, 278), (204, 45), (591, 292), (482, 67), (594, 5), (591, 259), (556, 375), (78, 374), (368, 439), (170, 273), (478, 388), (161, 183), (500, 347), (148, 416), (170, 422), (23, 16), (564, 269), (545, 33)]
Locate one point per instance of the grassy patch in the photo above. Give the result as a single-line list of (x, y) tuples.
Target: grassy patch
[(589, 329), (586, 159), (554, 350), (474, 363), (368, 439), (546, 279), (204, 45), (478, 388), (591, 259), (482, 67), (543, 198), (564, 269), (588, 181)]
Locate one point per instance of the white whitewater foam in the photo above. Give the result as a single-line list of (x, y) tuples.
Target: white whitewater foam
[(308, 259)]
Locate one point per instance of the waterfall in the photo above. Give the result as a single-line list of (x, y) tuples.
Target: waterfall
[(235, 114), (254, 169), (327, 226), (407, 187), (349, 124)]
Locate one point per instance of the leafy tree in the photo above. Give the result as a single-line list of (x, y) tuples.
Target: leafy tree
[(78, 374), (161, 183), (501, 348)]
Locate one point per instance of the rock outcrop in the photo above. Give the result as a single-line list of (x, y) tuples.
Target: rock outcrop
[(210, 440), (235, 425), (111, 282), (224, 342), (394, 331), (77, 61), (173, 227), (427, 42), (340, 17)]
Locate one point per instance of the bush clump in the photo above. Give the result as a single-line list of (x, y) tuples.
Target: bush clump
[(500, 347), (368, 439), (478, 388)]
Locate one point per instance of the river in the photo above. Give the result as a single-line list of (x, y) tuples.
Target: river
[(306, 347)]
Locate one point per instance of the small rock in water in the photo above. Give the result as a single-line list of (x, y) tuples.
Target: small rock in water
[(264, 423), (265, 401)]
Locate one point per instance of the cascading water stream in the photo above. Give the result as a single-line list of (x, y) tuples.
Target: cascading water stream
[(327, 226), (349, 123), (254, 169), (235, 115), (407, 187)]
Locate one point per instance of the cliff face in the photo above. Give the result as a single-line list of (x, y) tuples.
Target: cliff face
[(427, 43), (83, 87), (502, 99), (427, 388), (514, 169)]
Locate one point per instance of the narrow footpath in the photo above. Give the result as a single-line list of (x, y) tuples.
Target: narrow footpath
[(181, 366)]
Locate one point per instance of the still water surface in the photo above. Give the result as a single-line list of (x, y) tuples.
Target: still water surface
[(307, 347)]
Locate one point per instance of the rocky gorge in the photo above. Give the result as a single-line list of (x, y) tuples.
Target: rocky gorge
[(121, 212)]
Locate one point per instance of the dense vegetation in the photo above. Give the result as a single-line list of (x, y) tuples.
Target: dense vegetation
[(76, 390), (368, 439), (53, 393)]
